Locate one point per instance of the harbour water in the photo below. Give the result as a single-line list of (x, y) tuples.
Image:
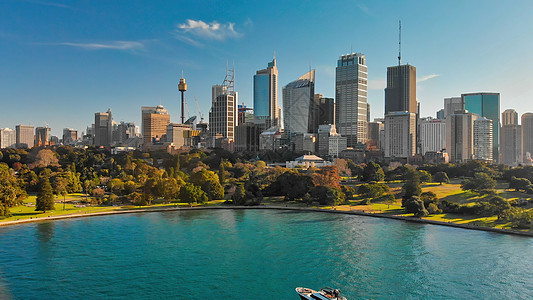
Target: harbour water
[(258, 254)]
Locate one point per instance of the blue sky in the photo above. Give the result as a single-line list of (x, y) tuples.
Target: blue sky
[(62, 61)]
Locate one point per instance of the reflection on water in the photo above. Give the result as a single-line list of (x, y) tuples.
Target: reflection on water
[(45, 231)]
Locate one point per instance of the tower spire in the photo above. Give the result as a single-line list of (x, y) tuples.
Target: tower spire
[(399, 42)]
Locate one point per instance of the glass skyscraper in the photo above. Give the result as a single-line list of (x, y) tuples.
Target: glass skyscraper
[(486, 105), (299, 109), (266, 108), (351, 98)]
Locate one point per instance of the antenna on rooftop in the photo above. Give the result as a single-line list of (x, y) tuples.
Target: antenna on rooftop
[(399, 42)]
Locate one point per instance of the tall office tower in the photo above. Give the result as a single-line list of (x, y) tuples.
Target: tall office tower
[(217, 90), (299, 108), (400, 94), (154, 123), (374, 129), (103, 128), (511, 144), (486, 105), (125, 131), (247, 137), (509, 117), (351, 87), (400, 134), (24, 136), (432, 135), (326, 110), (527, 137), (266, 108), (69, 136), (440, 114), (460, 136), (223, 116), (7, 138), (42, 136), (453, 104), (483, 139)]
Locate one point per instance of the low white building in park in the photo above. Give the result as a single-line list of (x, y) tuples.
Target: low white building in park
[(308, 161)]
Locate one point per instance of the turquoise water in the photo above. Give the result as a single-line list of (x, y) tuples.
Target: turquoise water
[(258, 254)]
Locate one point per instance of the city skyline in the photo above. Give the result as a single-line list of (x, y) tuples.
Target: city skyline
[(104, 56)]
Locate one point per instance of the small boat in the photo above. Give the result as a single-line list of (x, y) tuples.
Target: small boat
[(324, 294)]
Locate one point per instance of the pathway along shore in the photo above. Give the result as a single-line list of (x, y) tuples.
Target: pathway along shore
[(346, 212)]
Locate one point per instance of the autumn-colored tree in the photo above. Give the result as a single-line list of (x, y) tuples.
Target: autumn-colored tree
[(327, 176)]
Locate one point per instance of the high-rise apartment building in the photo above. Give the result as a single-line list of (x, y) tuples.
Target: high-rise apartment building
[(154, 123), (103, 128), (266, 107), (483, 139), (24, 136), (460, 136), (486, 105), (511, 139), (42, 136), (7, 138), (400, 94), (69, 136), (527, 137), (351, 86), (299, 107), (223, 116), (400, 134), (432, 135)]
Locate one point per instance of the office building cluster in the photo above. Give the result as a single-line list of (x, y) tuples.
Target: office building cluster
[(468, 127)]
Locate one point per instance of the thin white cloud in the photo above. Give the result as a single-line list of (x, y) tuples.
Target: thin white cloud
[(364, 8), (53, 4), (114, 45), (193, 30), (377, 84), (427, 77)]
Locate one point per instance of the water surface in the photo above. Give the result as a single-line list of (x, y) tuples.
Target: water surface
[(258, 254)]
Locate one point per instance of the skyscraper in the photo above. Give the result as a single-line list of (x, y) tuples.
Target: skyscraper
[(24, 136), (299, 108), (103, 128), (400, 134), (453, 104), (326, 110), (432, 135), (460, 136), (351, 84), (69, 136), (42, 136), (154, 123), (266, 108), (509, 116), (527, 137), (223, 116), (486, 105), (400, 94), (7, 138), (483, 139)]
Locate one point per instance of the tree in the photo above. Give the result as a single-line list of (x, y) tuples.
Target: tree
[(499, 206), (411, 187), (60, 188), (209, 182), (373, 190), (11, 191), (519, 184), (424, 176), (342, 166), (239, 196), (373, 172), (45, 158), (170, 188), (116, 186), (428, 198), (45, 197), (441, 177), (327, 176), (416, 206), (191, 193), (480, 183), (326, 195)]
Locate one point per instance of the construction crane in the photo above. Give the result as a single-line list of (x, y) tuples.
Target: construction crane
[(199, 112)]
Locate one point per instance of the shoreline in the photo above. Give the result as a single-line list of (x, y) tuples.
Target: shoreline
[(346, 212)]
